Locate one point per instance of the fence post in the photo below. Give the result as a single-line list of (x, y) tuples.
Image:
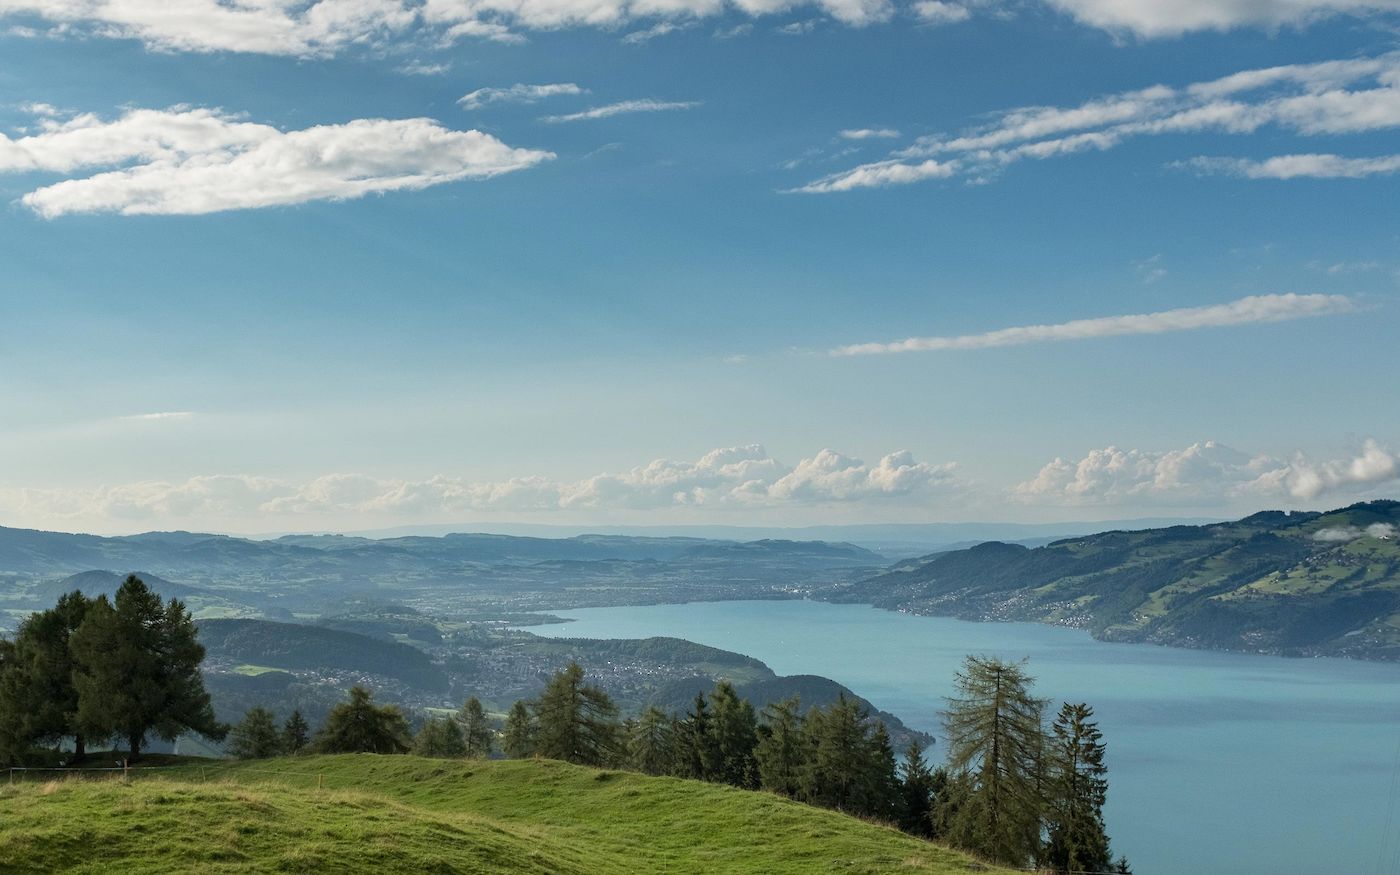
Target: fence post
[(320, 780), (126, 771)]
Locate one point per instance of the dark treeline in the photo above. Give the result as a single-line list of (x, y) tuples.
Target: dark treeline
[(1014, 789), (90, 670)]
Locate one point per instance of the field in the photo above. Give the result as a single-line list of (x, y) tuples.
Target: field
[(363, 813)]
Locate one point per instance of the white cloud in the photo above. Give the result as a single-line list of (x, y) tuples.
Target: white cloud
[(646, 35), (1167, 18), (1299, 166), (424, 68), (158, 417), (1256, 308), (1344, 534), (878, 175), (190, 161), (734, 477), (276, 27), (1203, 474), (518, 93), (938, 12), (1326, 98), (621, 108), (869, 134)]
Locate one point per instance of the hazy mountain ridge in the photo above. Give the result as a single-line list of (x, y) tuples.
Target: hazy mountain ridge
[(1299, 583)]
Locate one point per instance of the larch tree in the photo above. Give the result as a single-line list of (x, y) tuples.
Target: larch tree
[(255, 737), (781, 752), (518, 740), (440, 737), (651, 743), (479, 738), (576, 722), (916, 785), (360, 726), (734, 727), (296, 734), (995, 734)]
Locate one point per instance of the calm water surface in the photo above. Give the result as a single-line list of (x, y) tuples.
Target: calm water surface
[(1219, 763)]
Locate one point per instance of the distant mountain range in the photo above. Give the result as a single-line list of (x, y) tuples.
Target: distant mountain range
[(1300, 583)]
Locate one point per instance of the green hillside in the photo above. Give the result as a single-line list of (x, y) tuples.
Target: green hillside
[(1296, 583), (410, 815)]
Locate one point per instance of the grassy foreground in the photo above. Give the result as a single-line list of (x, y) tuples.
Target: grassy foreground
[(404, 814)]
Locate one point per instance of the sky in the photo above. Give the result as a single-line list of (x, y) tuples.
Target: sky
[(274, 265)]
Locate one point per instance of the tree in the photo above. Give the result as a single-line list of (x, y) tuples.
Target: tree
[(781, 752), (296, 735), (697, 754), (360, 726), (1077, 789), (477, 733), (38, 699), (839, 773), (136, 669), (883, 790), (734, 727), (995, 736), (518, 741), (650, 742), (576, 722), (256, 736), (440, 737), (916, 785)]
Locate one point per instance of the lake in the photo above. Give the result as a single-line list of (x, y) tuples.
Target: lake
[(1218, 762)]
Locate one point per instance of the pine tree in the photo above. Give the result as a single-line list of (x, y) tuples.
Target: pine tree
[(519, 739), (995, 735), (883, 797), (782, 749), (296, 735), (1077, 789), (478, 736), (38, 699), (440, 737), (360, 726), (256, 736), (916, 784), (734, 728), (137, 669), (650, 747), (576, 722)]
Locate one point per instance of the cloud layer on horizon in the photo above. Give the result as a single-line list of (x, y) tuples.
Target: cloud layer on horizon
[(189, 161)]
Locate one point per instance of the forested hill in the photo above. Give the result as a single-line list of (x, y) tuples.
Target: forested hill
[(1299, 583)]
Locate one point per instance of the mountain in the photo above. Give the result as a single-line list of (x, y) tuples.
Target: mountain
[(1299, 583), (95, 583), (403, 815)]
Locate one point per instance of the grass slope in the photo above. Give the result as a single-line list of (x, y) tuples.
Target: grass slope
[(404, 814)]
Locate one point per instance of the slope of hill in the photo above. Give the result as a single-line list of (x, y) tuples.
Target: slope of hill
[(1298, 583), (409, 815), (95, 583)]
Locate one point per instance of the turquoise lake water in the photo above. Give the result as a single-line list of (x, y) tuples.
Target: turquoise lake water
[(1219, 762)]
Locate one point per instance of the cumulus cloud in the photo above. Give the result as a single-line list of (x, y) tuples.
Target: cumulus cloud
[(1326, 98), (938, 12), (622, 108), (1203, 474), (1167, 18), (518, 93), (733, 477), (1345, 534), (188, 160), (1255, 308)]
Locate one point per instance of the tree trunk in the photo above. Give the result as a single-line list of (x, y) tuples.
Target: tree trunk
[(134, 742), (79, 748)]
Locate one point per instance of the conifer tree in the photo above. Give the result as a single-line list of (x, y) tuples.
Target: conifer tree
[(255, 737), (840, 768), (440, 737), (781, 752), (360, 726), (650, 743), (995, 735), (916, 784), (884, 799), (518, 740), (576, 722), (1077, 788), (734, 728), (478, 736), (296, 734), (696, 750), (38, 699), (136, 669)]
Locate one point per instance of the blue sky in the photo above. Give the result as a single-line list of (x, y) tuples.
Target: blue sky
[(259, 275)]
